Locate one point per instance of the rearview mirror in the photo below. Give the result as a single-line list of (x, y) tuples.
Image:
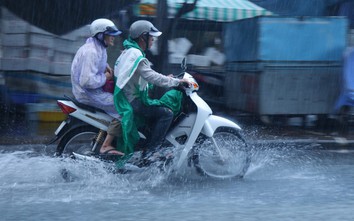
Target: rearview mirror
[(184, 64)]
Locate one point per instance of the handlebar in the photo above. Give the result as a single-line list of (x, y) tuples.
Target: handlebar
[(184, 85), (180, 75)]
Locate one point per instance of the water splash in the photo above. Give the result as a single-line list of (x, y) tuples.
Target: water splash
[(287, 161), (285, 177), (40, 175)]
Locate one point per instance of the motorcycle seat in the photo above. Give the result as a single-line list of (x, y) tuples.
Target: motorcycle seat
[(84, 106)]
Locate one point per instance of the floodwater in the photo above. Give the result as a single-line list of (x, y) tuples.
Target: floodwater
[(283, 183)]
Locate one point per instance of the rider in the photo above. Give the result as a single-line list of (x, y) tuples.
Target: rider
[(89, 73), (133, 73)]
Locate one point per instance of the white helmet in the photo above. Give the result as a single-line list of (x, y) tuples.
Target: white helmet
[(143, 27), (104, 26)]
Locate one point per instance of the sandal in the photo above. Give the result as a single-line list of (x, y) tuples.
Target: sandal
[(108, 152)]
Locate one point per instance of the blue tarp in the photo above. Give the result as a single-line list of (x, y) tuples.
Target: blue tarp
[(275, 38), (310, 8)]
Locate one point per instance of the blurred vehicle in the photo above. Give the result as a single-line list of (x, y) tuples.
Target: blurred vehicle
[(284, 66)]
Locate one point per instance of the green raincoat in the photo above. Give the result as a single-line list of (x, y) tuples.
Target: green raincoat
[(131, 57)]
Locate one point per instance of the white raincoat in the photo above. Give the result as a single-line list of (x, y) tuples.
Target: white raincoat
[(88, 77)]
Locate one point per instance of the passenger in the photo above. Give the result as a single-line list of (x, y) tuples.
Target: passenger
[(90, 72), (133, 73)]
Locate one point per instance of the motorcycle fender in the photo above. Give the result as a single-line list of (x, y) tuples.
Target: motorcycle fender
[(214, 122), (70, 124)]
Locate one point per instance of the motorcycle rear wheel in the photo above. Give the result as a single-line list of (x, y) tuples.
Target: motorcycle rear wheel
[(230, 160), (79, 140)]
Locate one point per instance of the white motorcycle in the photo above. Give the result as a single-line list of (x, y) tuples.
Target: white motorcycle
[(211, 144)]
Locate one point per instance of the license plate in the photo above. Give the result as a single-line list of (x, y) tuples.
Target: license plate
[(60, 127)]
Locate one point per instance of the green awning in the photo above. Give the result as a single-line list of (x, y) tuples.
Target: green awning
[(212, 10)]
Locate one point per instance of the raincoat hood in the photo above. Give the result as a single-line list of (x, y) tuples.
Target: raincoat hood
[(130, 43)]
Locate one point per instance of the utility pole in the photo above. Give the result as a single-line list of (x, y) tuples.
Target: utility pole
[(167, 25)]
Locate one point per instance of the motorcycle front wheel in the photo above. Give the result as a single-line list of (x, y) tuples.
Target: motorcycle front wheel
[(80, 140), (225, 155)]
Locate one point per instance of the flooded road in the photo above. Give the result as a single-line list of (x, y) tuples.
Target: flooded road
[(283, 183)]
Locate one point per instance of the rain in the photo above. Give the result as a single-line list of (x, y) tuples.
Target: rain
[(281, 70)]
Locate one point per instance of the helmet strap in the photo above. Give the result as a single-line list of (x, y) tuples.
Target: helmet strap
[(145, 37), (100, 38)]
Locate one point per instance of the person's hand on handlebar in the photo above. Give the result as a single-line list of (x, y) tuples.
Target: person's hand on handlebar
[(185, 83)]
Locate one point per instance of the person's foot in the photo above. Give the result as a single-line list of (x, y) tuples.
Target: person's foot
[(111, 151)]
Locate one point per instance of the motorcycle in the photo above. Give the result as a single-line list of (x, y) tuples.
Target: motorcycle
[(211, 144)]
